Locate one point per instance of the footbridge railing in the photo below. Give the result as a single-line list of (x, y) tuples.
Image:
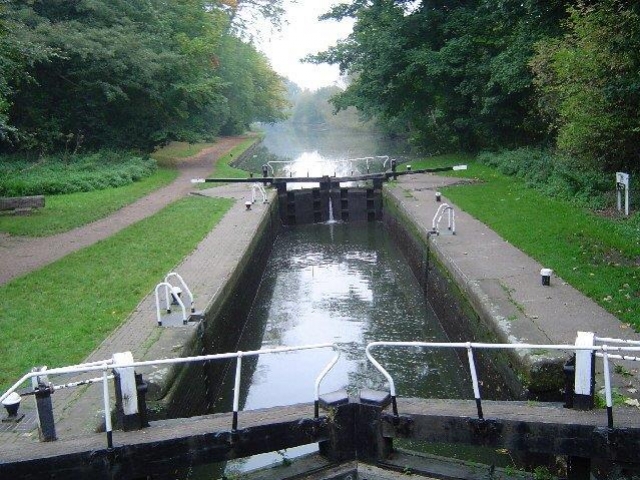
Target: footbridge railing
[(268, 176), (130, 386), (349, 427)]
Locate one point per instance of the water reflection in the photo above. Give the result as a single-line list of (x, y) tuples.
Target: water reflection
[(350, 287), (301, 152)]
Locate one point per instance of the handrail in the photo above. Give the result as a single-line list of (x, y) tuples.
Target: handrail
[(451, 214), (178, 299), (105, 365), (601, 350), (184, 285), (319, 379)]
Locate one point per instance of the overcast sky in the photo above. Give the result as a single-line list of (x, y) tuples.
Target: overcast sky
[(302, 35)]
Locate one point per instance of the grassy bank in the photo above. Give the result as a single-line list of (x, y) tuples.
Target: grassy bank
[(169, 154), (597, 255), (224, 169), (66, 212), (60, 313)]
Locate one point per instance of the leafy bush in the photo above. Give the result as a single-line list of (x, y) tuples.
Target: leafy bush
[(21, 176), (557, 176)]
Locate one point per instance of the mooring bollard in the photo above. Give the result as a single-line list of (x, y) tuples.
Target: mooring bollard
[(545, 273)]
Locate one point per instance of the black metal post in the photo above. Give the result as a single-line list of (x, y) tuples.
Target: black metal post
[(44, 406)]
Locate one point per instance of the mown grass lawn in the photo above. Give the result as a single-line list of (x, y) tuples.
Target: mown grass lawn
[(599, 256), (66, 212), (59, 314)]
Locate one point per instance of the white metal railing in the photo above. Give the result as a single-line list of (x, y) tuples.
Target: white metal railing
[(258, 188), (602, 350), (119, 362), (109, 364), (619, 341), (168, 287), (451, 215), (176, 292)]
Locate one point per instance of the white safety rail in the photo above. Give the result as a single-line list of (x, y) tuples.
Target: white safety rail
[(618, 341), (112, 364), (451, 215), (176, 292), (257, 187), (168, 287), (602, 350), (329, 163)]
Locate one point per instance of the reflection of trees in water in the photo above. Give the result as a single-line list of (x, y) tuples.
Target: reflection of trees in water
[(333, 143), (353, 278)]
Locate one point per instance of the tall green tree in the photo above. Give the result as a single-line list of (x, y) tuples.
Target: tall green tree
[(447, 74), (126, 73), (254, 92), (589, 83)]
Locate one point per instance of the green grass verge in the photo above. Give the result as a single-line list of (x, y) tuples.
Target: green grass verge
[(167, 155), (65, 212), (60, 313), (223, 168), (598, 256)]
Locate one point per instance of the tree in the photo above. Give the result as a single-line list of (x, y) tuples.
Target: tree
[(589, 85), (254, 92), (129, 73), (447, 74)]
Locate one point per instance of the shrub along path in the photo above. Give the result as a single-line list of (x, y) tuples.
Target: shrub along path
[(21, 255)]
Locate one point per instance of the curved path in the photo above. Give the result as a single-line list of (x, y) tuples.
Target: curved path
[(21, 255)]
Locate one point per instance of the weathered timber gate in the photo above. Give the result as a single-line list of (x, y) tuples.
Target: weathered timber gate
[(360, 429)]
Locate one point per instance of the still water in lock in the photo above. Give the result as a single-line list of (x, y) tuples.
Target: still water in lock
[(346, 284)]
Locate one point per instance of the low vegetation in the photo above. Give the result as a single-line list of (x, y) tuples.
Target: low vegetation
[(66, 212), (224, 166), (52, 175)]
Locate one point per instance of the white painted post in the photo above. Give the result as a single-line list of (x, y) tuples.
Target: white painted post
[(127, 379), (622, 185), (585, 372)]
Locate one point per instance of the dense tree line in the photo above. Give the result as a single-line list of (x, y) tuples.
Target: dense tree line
[(483, 74), (129, 73)]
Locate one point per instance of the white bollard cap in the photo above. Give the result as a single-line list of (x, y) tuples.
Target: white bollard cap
[(12, 399)]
